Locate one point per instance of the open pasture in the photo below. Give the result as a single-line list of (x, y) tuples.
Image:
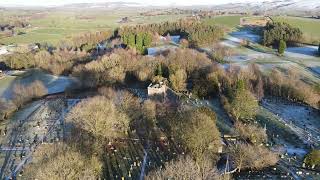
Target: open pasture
[(228, 21), (310, 27), (53, 26)]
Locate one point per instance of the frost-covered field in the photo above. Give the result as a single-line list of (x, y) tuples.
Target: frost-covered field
[(54, 84)]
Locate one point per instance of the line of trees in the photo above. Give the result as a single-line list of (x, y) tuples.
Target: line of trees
[(138, 40), (85, 41), (56, 62), (196, 33)]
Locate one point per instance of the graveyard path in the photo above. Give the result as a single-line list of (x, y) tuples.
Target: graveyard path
[(16, 131), (26, 160), (307, 134)]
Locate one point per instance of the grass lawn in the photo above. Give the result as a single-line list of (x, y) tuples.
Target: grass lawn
[(228, 21)]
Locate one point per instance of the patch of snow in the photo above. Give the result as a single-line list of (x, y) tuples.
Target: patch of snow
[(302, 52), (245, 35)]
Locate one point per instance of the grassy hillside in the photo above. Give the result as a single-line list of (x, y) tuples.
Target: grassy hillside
[(53, 26), (310, 27), (228, 21)]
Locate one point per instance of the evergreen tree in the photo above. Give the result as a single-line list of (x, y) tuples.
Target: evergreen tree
[(282, 47), (147, 39), (131, 40), (159, 70), (139, 42)]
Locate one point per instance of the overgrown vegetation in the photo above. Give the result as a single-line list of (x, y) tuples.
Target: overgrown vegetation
[(25, 93), (313, 159)]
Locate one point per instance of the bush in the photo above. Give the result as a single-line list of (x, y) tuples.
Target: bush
[(291, 88), (282, 47), (6, 109), (25, 93), (219, 53), (313, 159)]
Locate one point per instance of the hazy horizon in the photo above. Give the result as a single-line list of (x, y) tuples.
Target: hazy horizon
[(144, 2)]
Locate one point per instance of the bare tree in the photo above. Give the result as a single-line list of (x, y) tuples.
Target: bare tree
[(197, 130), (24, 93), (178, 80), (251, 132), (182, 168), (57, 161), (99, 116), (246, 156)]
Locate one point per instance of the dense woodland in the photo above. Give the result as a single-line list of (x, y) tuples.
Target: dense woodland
[(196, 33), (276, 31)]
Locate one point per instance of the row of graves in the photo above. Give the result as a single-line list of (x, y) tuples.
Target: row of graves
[(126, 158)]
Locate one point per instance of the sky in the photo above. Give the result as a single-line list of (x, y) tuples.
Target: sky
[(145, 2)]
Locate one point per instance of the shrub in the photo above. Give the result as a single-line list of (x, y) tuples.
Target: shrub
[(313, 159), (219, 53), (6, 109), (291, 88), (25, 93)]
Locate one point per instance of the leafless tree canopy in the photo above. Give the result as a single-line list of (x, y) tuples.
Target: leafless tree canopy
[(57, 161), (99, 116), (182, 168), (247, 156)]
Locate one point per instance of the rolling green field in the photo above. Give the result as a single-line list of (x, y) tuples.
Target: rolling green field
[(54, 26), (228, 21), (310, 27)]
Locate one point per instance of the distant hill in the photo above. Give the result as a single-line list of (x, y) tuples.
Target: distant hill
[(240, 5)]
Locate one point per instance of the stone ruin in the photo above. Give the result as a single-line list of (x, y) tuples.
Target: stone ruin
[(157, 91)]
